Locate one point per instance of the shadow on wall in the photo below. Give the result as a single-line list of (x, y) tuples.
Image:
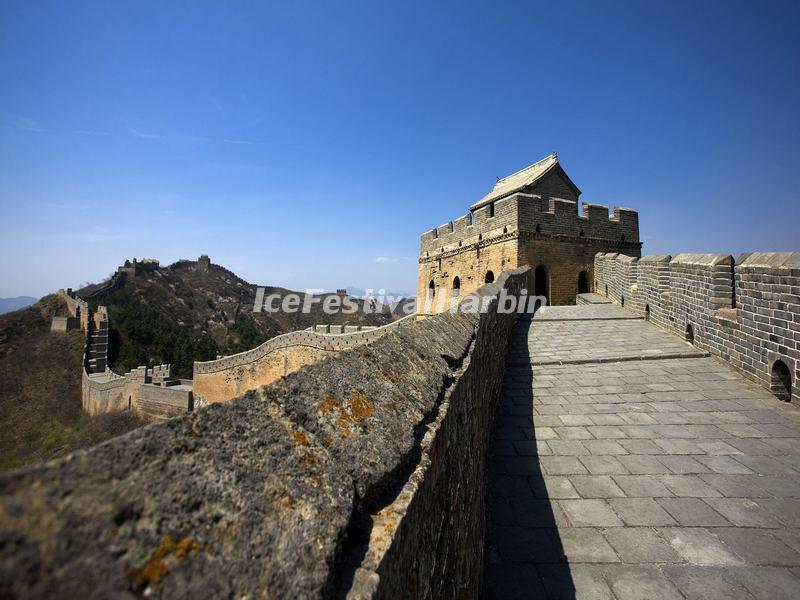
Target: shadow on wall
[(524, 552)]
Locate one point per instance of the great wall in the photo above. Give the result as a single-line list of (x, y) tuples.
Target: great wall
[(151, 391), (637, 439), (745, 312)]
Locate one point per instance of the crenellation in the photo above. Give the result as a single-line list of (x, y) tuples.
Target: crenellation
[(736, 310), (524, 221)]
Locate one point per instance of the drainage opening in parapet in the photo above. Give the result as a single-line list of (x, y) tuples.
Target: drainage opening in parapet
[(489, 277), (456, 287), (583, 283), (606, 290), (647, 312), (690, 334), (622, 301), (781, 381)]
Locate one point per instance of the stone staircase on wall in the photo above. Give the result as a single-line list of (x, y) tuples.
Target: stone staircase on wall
[(97, 347)]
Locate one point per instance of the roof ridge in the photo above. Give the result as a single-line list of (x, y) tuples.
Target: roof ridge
[(552, 155)]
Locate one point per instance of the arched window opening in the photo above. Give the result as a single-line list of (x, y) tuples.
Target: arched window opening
[(431, 290), (505, 229), (456, 287), (470, 218), (489, 277), (690, 334), (781, 381), (436, 233), (647, 312), (583, 283)]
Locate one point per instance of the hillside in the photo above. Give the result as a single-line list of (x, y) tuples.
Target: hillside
[(8, 305), (175, 314), (182, 313), (40, 390)]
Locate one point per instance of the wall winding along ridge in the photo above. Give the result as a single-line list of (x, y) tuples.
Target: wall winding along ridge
[(231, 376), (355, 475), (746, 312)]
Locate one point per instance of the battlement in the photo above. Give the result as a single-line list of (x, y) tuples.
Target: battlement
[(743, 311), (532, 214), (531, 218), (231, 376)]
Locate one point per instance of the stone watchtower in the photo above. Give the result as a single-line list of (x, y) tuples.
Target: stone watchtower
[(204, 263), (529, 218)]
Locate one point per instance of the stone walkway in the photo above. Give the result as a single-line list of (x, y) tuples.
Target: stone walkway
[(648, 477)]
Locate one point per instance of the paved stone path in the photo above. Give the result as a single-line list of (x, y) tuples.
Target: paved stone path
[(651, 477)]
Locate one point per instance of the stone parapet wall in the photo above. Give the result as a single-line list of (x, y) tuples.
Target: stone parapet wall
[(164, 401), (746, 312), (64, 324), (351, 477), (108, 392), (226, 378)]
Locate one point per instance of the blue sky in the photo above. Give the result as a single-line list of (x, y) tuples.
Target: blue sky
[(309, 145)]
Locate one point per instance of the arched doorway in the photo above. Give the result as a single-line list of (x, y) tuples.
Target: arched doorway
[(431, 290), (489, 277), (583, 283), (781, 381), (456, 287), (540, 282), (690, 334)]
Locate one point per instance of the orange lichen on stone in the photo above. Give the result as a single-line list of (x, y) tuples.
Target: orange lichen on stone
[(157, 566), (300, 438), (327, 405), (360, 406), (185, 546), (360, 409), (343, 421)]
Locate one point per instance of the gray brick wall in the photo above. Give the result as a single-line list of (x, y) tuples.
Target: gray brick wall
[(746, 312)]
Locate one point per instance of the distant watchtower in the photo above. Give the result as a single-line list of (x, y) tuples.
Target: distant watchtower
[(204, 263), (529, 218)]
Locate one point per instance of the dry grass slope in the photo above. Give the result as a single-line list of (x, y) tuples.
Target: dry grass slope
[(40, 390)]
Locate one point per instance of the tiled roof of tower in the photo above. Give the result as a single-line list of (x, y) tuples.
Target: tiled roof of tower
[(519, 180)]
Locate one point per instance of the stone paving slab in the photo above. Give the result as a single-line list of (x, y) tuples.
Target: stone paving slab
[(596, 339), (662, 478)]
